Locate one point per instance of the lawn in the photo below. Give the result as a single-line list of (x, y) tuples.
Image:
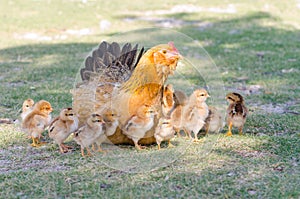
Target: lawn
[(255, 46)]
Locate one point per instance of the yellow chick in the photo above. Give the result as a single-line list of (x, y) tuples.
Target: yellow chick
[(195, 112), (214, 121), (164, 131), (62, 126), (27, 107), (89, 133), (37, 120), (139, 124), (236, 112), (176, 114), (167, 100)]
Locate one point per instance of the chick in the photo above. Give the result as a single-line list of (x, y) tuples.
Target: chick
[(62, 126), (195, 112), (87, 134), (139, 124), (167, 100), (27, 107), (111, 119), (164, 131), (214, 121), (37, 120), (176, 113), (236, 112)]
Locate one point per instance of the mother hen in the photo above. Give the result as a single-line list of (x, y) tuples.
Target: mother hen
[(124, 79)]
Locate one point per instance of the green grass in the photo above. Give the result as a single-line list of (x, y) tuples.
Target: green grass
[(256, 44)]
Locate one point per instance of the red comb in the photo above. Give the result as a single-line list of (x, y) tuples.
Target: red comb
[(171, 44)]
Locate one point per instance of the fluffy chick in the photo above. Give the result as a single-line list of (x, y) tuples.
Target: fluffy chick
[(87, 134), (37, 120), (111, 119), (139, 124), (214, 121), (176, 114), (27, 107), (62, 126), (167, 100), (164, 131), (195, 112), (236, 112)]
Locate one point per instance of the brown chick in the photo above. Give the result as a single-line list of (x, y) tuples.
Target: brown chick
[(195, 112), (167, 100), (27, 107), (37, 120), (236, 112), (180, 100), (164, 131), (62, 126), (89, 133), (214, 121), (111, 119), (139, 124)]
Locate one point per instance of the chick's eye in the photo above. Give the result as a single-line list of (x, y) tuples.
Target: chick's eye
[(27, 105)]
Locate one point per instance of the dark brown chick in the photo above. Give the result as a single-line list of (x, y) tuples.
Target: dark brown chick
[(236, 112)]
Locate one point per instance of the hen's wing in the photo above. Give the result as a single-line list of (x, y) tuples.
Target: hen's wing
[(114, 63)]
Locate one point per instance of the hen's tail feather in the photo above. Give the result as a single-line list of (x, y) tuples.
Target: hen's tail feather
[(111, 61)]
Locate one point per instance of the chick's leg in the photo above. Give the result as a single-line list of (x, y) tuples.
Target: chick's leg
[(88, 151), (137, 146), (229, 133), (64, 148), (187, 132), (99, 149), (241, 130), (34, 142), (82, 151), (158, 146), (170, 145)]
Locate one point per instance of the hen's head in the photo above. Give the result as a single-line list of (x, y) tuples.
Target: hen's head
[(165, 58), (234, 98), (44, 107)]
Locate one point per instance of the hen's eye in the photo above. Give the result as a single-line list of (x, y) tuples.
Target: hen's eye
[(164, 51)]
